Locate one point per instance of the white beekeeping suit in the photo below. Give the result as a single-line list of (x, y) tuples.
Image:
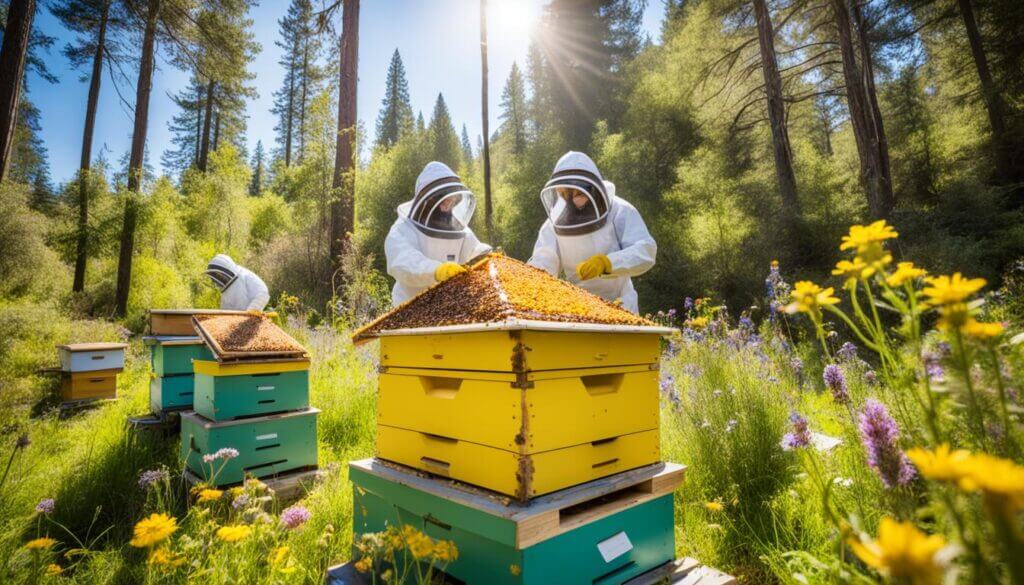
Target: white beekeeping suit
[(598, 239), (240, 288), (431, 238)]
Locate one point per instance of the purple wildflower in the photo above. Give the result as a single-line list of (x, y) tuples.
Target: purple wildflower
[(240, 503), (798, 370), (835, 380), (295, 516), (880, 436), (667, 383), (801, 435), (45, 506), (871, 377), (745, 324), (152, 476), (671, 312), (23, 441), (688, 304), (933, 366), (847, 352)]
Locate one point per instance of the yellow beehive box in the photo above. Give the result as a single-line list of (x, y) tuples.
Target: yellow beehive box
[(94, 385)]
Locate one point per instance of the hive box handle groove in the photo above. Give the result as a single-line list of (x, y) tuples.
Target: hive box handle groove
[(440, 387), (440, 438), (435, 463), (429, 518), (600, 442), (614, 572), (261, 466), (265, 447), (604, 463), (598, 384)]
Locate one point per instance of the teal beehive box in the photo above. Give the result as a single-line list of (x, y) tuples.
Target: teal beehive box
[(266, 445), (167, 393), (601, 532), (231, 390), (172, 355)]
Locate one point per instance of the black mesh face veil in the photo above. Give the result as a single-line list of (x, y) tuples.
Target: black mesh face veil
[(443, 208), (576, 202), (221, 276)]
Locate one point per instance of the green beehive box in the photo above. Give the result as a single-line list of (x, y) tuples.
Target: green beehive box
[(266, 445), (226, 391), (172, 355), (170, 393), (601, 532)]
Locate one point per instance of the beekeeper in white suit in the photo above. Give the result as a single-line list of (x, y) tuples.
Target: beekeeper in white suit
[(431, 239), (240, 288), (598, 239)]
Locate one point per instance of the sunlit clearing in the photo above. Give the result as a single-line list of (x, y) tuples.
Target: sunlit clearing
[(512, 18)]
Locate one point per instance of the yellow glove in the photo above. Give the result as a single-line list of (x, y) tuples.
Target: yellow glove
[(447, 270), (593, 267)]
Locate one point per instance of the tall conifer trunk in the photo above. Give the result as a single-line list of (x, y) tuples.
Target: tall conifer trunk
[(486, 151), (343, 205), (204, 149), (17, 31)]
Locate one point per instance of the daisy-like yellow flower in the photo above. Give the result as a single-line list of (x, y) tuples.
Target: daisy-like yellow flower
[(153, 529), (364, 564), (446, 551), (948, 290), (697, 323), (903, 552), (54, 569), (982, 331), (233, 533), (775, 264), (45, 543), (867, 240), (943, 464), (852, 270), (905, 272), (810, 298), (209, 495), (164, 558), (421, 546), (281, 561), (714, 506), (1000, 480)]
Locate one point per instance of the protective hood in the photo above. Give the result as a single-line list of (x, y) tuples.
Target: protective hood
[(576, 178), (222, 270), (442, 205)]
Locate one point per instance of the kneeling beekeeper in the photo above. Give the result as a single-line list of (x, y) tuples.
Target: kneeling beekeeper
[(240, 288), (597, 238), (431, 239)]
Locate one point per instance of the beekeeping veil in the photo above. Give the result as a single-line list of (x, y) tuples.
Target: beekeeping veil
[(442, 205), (575, 174), (222, 270)]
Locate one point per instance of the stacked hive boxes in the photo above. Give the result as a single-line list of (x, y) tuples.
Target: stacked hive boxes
[(533, 389), (253, 398), (89, 370)]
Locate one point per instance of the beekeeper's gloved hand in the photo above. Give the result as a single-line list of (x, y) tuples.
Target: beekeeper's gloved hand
[(447, 270), (593, 267)]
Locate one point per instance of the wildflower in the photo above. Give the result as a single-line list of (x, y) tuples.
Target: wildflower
[(45, 506), (801, 435), (697, 323), (255, 484), (730, 425), (165, 558), (933, 366), (281, 561), (688, 304), (847, 352), (905, 272), (153, 529), (949, 290), (853, 270), (233, 533), (222, 453), (903, 552), (240, 502), (810, 298), (295, 516), (870, 377), (45, 543), (151, 477), (982, 331), (879, 434), (714, 506), (446, 551), (943, 464), (54, 569), (867, 240), (22, 442), (364, 564), (209, 495), (835, 380)]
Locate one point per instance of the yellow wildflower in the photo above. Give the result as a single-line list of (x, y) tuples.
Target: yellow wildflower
[(1000, 480), (905, 272), (421, 546), (281, 561), (165, 558), (949, 290), (446, 551), (233, 533), (364, 564), (942, 464), (54, 569), (255, 484), (714, 506), (153, 529), (515, 570), (903, 552), (867, 241), (209, 495), (775, 264), (852, 270), (982, 331), (697, 323), (45, 543), (236, 491), (809, 298)]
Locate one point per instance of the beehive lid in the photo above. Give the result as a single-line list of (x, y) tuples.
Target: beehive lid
[(502, 293), (248, 336), (92, 346)]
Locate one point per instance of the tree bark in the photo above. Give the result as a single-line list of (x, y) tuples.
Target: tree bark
[(486, 150), (992, 97), (291, 115), (204, 148), (343, 202), (776, 112), (302, 100), (886, 199), (216, 130), (12, 71), (81, 251), (143, 89), (864, 116)]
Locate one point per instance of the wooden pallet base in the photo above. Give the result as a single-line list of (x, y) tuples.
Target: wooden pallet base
[(685, 571), (288, 487), (168, 422)]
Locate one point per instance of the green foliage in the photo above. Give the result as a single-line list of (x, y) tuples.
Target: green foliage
[(27, 265)]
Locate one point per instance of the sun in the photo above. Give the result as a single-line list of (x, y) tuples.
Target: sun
[(513, 18)]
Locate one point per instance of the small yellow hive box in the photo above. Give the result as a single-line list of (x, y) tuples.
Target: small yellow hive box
[(511, 380), (94, 385)]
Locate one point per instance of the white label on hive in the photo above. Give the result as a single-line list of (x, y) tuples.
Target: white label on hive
[(614, 547), (264, 388), (266, 437)]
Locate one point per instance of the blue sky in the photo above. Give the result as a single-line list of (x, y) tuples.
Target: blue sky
[(438, 40)]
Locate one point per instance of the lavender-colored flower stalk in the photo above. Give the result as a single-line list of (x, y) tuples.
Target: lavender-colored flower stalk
[(835, 380), (295, 516), (23, 441), (222, 453), (151, 477), (45, 506), (933, 366), (880, 436), (800, 436), (847, 352), (871, 377)]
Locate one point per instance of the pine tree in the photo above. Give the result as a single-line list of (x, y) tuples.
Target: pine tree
[(302, 49), (467, 147), (395, 118), (513, 110), (186, 127), (256, 186), (421, 125), (443, 142)]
